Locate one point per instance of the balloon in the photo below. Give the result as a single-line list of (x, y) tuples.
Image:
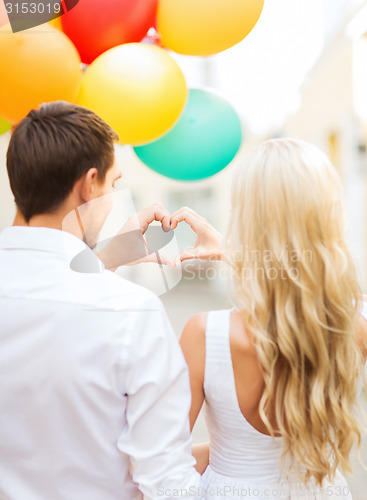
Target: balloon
[(96, 26), (36, 66), (206, 27), (4, 126), (56, 23), (204, 141), (138, 89)]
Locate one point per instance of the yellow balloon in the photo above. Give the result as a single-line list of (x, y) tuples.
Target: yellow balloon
[(206, 27), (56, 23), (138, 89)]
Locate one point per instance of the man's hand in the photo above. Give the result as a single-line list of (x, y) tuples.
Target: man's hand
[(129, 246), (156, 212), (208, 242)]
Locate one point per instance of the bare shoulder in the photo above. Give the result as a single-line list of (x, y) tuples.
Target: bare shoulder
[(192, 343), (240, 336), (194, 332)]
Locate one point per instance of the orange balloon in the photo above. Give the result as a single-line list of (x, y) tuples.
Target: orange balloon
[(36, 66)]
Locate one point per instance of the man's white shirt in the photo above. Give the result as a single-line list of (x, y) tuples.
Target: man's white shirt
[(94, 388)]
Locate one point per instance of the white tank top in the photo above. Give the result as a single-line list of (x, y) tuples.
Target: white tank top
[(241, 457)]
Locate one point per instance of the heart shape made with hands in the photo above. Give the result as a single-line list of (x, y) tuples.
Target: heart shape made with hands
[(208, 239), (134, 246)]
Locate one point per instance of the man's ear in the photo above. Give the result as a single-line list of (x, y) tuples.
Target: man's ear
[(88, 185)]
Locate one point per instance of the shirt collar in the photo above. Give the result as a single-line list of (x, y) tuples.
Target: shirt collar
[(41, 239)]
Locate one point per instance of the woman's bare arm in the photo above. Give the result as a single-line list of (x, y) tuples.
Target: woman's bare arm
[(193, 346)]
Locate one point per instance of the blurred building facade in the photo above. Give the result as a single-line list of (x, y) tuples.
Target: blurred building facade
[(333, 111)]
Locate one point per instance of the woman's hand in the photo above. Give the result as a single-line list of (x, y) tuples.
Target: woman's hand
[(208, 242), (201, 453)]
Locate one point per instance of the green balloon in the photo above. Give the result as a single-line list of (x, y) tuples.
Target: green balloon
[(203, 142), (4, 126)]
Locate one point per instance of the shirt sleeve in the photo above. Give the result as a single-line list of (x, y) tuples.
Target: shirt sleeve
[(157, 436)]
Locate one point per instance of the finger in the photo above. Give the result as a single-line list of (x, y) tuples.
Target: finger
[(188, 212), (194, 221), (165, 259), (162, 259), (185, 255), (157, 213), (187, 209), (197, 254)]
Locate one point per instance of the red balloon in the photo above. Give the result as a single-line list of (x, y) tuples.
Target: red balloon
[(95, 26)]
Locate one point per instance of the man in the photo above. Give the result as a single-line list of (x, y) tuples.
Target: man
[(94, 389)]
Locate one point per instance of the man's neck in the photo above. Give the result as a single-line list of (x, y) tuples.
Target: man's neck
[(51, 221), (45, 220)]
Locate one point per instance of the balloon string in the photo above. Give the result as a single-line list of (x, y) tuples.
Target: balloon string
[(63, 5)]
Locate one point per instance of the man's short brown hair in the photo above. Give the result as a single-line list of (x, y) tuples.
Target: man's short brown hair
[(50, 149)]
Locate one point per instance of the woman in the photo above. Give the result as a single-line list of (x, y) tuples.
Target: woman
[(279, 372)]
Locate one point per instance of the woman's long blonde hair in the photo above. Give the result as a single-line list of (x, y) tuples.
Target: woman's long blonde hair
[(295, 277)]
